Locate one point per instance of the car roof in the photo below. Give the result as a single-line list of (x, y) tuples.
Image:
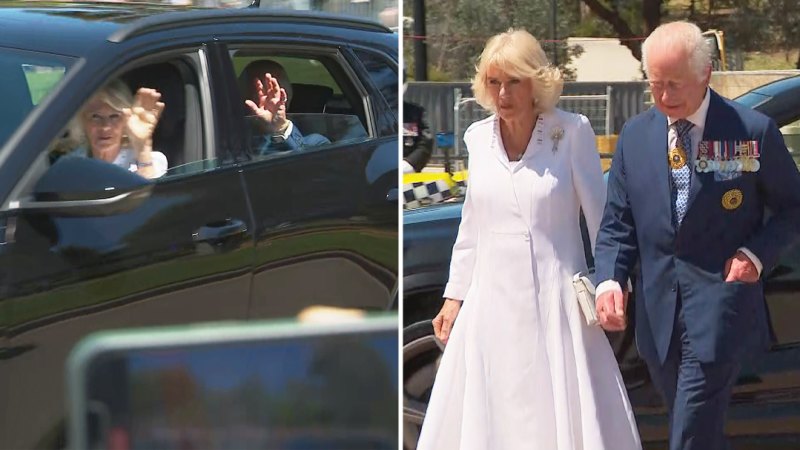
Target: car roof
[(779, 86), (76, 29), (778, 100)]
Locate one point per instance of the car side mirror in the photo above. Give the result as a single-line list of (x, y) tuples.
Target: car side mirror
[(87, 187)]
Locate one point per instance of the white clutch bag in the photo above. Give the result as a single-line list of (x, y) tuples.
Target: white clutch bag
[(584, 291)]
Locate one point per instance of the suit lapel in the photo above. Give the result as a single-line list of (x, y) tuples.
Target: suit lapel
[(657, 172)]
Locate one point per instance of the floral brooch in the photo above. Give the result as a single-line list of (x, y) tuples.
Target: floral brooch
[(556, 133)]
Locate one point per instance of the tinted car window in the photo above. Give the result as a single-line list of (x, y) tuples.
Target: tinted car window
[(323, 108), (25, 79), (383, 74), (179, 133)]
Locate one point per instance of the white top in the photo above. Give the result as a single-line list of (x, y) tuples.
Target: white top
[(126, 159), (542, 193)]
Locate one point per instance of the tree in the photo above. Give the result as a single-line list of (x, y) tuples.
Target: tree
[(784, 15), (629, 19), (458, 30)]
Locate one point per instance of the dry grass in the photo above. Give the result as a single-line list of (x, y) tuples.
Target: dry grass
[(770, 61)]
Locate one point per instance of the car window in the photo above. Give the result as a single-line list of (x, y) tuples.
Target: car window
[(383, 74), (147, 119), (25, 79), (309, 102)]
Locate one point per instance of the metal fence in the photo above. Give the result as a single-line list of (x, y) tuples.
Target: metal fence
[(466, 110), (596, 107), (450, 109)]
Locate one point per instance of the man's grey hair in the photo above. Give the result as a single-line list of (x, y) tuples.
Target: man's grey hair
[(675, 35)]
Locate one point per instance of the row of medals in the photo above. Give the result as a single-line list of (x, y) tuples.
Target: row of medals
[(746, 159)]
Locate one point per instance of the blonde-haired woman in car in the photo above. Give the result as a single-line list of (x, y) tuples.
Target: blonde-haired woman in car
[(521, 368), (117, 127)]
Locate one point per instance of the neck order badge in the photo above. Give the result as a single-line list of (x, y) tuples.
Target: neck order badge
[(678, 155)]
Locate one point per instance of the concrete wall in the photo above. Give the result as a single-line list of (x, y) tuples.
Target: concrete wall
[(604, 60)]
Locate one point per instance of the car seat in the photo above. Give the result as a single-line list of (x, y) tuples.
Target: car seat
[(309, 98)]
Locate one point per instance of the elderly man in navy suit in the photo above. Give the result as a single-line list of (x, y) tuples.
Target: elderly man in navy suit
[(690, 184)]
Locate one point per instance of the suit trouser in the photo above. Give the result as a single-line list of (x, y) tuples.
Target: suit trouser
[(696, 394)]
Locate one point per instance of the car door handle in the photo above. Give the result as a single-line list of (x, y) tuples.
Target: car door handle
[(219, 231), (391, 196)]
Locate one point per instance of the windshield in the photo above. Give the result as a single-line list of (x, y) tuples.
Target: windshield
[(25, 80)]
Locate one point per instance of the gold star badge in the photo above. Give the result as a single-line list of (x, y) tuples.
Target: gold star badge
[(732, 199)]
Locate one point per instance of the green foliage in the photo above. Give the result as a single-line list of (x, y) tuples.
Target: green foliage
[(458, 31), (593, 27)]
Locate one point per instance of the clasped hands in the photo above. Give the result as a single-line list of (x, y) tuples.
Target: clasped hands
[(611, 305)]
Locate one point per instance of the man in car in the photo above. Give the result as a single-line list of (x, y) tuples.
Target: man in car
[(268, 92)]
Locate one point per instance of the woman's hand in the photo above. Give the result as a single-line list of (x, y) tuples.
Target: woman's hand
[(141, 121), (443, 322), (142, 118)]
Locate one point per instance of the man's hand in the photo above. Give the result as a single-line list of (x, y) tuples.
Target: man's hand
[(443, 322), (271, 103), (611, 307), (740, 268)]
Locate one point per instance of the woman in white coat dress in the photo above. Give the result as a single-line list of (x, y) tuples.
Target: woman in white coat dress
[(521, 369)]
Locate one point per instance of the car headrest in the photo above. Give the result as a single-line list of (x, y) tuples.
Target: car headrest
[(309, 98)]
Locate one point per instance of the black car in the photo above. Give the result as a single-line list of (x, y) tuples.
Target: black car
[(765, 409), (779, 100), (226, 233)]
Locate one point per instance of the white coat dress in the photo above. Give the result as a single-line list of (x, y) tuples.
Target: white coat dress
[(521, 369)]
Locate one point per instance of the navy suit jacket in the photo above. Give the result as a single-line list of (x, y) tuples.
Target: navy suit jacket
[(724, 321)]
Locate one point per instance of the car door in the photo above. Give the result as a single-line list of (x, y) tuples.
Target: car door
[(177, 249), (326, 213), (765, 401)]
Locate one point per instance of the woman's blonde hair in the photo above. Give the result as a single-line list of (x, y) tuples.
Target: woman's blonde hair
[(115, 94), (518, 54)]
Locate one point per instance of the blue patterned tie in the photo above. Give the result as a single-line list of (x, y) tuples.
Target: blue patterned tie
[(681, 178)]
